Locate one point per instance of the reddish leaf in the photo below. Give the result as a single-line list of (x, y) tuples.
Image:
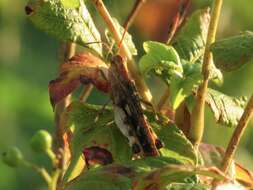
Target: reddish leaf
[(81, 69), (97, 155)]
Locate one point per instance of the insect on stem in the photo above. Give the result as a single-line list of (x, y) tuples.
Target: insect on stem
[(124, 51), (128, 112)]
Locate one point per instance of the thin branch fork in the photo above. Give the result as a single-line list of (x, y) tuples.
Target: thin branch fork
[(124, 51)]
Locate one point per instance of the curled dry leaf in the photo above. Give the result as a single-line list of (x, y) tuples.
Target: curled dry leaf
[(83, 68)]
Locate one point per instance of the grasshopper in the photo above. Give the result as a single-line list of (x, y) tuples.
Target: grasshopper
[(128, 112)]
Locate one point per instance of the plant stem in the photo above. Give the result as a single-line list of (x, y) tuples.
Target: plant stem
[(197, 120), (51, 155), (41, 171), (235, 140), (163, 100), (54, 181), (236, 137), (136, 8), (124, 51), (86, 92), (178, 18), (67, 50)]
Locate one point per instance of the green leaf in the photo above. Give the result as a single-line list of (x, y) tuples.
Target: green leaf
[(127, 39), (90, 133), (227, 110), (160, 57), (232, 53), (72, 4), (65, 21), (102, 133), (182, 87), (176, 145), (101, 180), (191, 39)]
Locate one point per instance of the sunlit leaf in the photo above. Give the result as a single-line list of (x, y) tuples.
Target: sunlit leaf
[(176, 145), (232, 53), (160, 57), (72, 4), (227, 110), (83, 68), (66, 21), (182, 87), (92, 129), (243, 175), (127, 39), (191, 39)]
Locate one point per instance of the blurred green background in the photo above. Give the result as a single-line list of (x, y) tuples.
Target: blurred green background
[(29, 60)]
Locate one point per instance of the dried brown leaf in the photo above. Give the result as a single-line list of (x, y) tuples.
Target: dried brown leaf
[(83, 68)]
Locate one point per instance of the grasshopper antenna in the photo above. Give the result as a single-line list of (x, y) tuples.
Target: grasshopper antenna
[(136, 8)]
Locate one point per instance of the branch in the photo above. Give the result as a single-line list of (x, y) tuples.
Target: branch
[(136, 8), (235, 140), (124, 51), (178, 18), (237, 135), (197, 122), (163, 99), (86, 92)]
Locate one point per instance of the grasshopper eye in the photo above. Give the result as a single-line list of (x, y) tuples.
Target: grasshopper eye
[(28, 10)]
